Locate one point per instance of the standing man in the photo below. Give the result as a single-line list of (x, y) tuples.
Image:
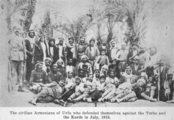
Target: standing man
[(122, 56), (92, 51), (60, 49), (29, 52), (17, 56), (81, 47)]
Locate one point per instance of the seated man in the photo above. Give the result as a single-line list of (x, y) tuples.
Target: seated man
[(140, 86), (85, 65), (49, 93), (47, 65), (104, 70), (100, 88), (37, 76), (54, 75), (70, 67), (111, 84), (69, 88), (128, 74), (61, 67), (90, 86), (79, 90), (123, 91)]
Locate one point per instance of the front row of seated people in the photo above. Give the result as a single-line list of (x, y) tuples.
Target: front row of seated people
[(97, 87)]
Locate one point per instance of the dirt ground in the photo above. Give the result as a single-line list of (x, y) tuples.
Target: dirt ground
[(20, 99)]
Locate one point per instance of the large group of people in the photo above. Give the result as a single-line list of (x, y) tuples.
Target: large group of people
[(66, 71)]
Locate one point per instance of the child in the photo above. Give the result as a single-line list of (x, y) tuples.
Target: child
[(102, 59)]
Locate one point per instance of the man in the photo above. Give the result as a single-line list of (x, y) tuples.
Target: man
[(70, 67), (122, 57), (54, 75), (133, 52), (81, 47), (29, 50), (53, 50), (136, 66), (85, 65), (113, 49), (92, 51), (49, 93), (60, 48), (104, 45), (38, 76), (17, 57), (47, 65), (102, 59)]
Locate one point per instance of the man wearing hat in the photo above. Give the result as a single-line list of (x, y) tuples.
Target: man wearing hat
[(113, 49), (60, 48), (47, 65), (102, 59), (71, 50), (136, 66), (133, 52), (17, 56), (92, 51), (122, 57), (38, 75), (81, 47), (85, 65)]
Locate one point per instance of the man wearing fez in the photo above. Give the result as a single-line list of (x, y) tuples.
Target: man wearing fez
[(17, 56)]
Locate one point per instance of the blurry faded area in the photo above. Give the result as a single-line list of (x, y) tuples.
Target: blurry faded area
[(154, 26)]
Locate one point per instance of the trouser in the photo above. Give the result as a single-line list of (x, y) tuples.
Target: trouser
[(96, 95), (45, 95), (122, 66), (29, 68), (75, 95), (17, 72), (108, 93)]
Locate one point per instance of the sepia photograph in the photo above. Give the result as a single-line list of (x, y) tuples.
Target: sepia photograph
[(87, 53)]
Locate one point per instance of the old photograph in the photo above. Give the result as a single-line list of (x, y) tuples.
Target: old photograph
[(87, 53)]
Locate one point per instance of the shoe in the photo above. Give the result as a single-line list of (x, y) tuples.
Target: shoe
[(33, 103), (170, 101), (56, 101), (84, 99), (153, 100), (65, 104), (100, 100), (89, 100), (22, 90)]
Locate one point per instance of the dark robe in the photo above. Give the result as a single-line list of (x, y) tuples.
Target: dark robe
[(29, 65)]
